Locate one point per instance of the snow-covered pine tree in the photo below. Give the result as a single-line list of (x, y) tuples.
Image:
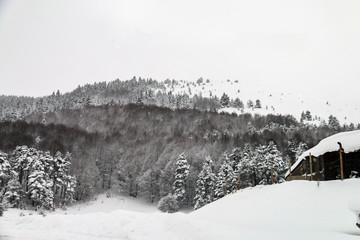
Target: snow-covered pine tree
[(205, 185), (280, 166), (13, 194), (22, 161), (246, 167), (234, 160), (291, 150), (224, 100), (333, 122), (267, 156), (224, 178), (69, 189), (55, 174), (302, 147), (295, 150), (238, 103), (5, 170), (181, 173), (40, 186), (68, 182)]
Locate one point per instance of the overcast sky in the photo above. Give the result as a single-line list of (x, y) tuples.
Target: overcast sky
[(309, 45)]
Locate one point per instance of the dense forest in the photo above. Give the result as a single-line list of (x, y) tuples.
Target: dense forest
[(129, 137), (134, 148)]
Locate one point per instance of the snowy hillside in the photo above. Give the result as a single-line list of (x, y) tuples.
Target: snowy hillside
[(274, 100), (292, 210)]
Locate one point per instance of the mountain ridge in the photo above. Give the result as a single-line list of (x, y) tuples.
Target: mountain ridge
[(202, 95)]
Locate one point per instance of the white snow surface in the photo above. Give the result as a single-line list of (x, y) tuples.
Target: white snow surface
[(291, 210), (274, 100), (350, 142)]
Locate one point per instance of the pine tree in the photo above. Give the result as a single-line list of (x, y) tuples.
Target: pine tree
[(302, 117), (167, 179), (224, 101), (149, 185), (234, 158), (181, 173), (257, 103), (69, 189), (333, 122), (238, 103), (234, 161), (246, 167), (13, 194), (301, 148), (23, 159), (5, 170), (205, 185), (40, 186), (268, 156), (224, 179)]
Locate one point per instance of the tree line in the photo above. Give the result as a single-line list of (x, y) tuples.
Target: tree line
[(33, 178)]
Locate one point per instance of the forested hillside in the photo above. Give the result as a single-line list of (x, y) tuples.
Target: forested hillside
[(204, 95), (135, 148), (152, 139)]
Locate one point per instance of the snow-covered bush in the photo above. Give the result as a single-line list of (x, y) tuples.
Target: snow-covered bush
[(1, 209), (168, 204)]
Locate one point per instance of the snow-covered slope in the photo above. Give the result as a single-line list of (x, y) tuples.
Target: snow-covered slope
[(274, 100), (292, 210)]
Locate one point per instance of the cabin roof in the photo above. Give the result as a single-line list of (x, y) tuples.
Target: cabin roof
[(350, 142)]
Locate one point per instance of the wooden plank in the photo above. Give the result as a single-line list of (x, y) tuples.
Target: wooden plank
[(290, 177), (341, 165), (311, 172)]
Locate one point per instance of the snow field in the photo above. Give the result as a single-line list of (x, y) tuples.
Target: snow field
[(291, 210), (285, 101)]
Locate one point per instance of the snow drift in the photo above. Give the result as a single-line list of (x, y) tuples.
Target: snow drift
[(292, 210)]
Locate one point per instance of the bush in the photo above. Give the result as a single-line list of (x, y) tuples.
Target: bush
[(1, 209), (168, 204)]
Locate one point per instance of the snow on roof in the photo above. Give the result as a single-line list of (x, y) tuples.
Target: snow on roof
[(350, 142)]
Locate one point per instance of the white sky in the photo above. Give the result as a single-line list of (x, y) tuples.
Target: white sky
[(308, 45)]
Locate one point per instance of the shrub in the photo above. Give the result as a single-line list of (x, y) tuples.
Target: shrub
[(168, 204), (1, 209)]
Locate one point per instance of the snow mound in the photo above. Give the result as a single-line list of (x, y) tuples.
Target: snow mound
[(296, 210)]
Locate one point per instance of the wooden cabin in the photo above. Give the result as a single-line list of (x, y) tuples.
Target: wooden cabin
[(323, 162)]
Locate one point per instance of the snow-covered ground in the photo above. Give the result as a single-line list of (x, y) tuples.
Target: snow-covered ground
[(275, 100), (292, 210)]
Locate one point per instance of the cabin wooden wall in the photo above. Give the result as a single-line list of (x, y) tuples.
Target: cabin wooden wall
[(327, 166)]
